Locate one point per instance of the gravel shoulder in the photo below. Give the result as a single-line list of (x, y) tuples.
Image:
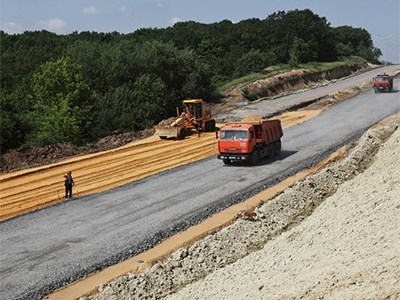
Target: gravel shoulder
[(333, 235)]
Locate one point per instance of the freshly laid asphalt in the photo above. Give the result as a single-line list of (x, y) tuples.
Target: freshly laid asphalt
[(46, 249)]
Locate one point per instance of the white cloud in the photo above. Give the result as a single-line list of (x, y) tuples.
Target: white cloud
[(90, 10), (53, 24), (125, 11), (174, 20), (11, 27)]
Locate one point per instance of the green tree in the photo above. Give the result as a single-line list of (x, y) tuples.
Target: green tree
[(105, 66), (7, 123), (62, 104), (344, 50), (22, 54), (282, 28), (253, 61), (14, 111), (355, 41), (184, 72), (302, 52), (132, 107)]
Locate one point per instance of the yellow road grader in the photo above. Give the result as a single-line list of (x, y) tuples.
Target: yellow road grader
[(193, 117)]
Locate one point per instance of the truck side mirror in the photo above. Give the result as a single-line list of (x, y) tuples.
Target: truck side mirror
[(216, 134)]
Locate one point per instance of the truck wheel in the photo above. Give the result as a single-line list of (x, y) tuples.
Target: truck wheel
[(278, 147), (255, 158), (227, 161), (272, 150), (182, 133)]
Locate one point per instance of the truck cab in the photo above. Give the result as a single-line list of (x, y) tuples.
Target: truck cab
[(236, 141), (383, 83), (249, 141)]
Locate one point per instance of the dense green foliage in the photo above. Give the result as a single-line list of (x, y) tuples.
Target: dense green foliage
[(61, 104), (78, 87)]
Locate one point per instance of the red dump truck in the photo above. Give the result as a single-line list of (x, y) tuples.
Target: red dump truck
[(249, 141), (383, 83)]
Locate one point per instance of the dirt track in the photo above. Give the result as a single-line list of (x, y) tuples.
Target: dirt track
[(32, 189)]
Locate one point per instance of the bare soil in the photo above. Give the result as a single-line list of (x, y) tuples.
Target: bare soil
[(16, 160)]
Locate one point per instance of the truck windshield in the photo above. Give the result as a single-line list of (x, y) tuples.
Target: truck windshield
[(233, 135), (381, 79)]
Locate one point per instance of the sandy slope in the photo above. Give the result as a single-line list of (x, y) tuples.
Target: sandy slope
[(333, 235)]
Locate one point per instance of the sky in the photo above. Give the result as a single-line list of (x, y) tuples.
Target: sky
[(380, 18)]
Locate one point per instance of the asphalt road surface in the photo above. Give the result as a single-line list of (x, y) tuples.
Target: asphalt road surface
[(43, 250)]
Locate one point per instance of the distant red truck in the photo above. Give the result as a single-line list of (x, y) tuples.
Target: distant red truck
[(383, 83), (249, 141)]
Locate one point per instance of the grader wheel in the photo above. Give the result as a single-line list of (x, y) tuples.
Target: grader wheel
[(182, 133)]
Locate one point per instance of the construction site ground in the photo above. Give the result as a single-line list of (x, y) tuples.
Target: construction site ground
[(254, 231), (332, 235)]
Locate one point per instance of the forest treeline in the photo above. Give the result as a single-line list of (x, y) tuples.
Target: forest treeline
[(78, 87)]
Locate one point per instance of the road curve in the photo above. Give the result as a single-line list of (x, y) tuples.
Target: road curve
[(45, 249), (271, 107)]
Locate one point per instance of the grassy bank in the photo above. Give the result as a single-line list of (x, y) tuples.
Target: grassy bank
[(312, 67)]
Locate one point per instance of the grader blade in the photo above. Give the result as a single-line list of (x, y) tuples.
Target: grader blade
[(167, 132)]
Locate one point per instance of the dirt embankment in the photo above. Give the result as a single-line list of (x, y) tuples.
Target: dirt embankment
[(296, 80), (284, 84), (38, 156), (331, 235)]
